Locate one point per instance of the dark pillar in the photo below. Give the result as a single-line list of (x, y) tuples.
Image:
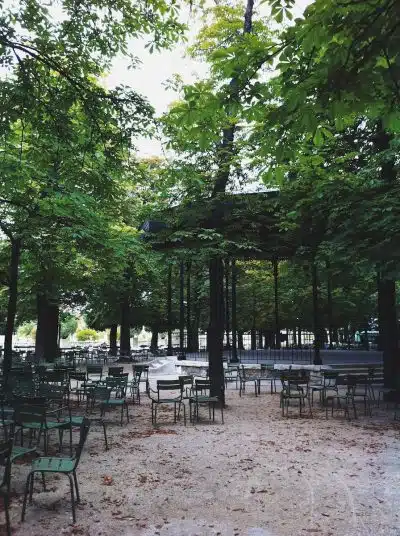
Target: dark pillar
[(234, 357), (11, 306), (189, 327), (227, 313), (388, 331), (169, 309), (330, 305), (181, 310), (276, 305), (216, 328), (316, 316), (113, 339), (125, 338), (46, 343)]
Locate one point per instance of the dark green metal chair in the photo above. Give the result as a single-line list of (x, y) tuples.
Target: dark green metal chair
[(5, 461), (200, 395), (159, 396), (65, 466)]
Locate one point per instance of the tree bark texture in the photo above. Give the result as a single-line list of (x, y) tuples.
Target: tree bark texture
[(234, 358), (216, 328), (316, 315), (389, 332), (181, 309), (11, 306), (113, 339), (46, 343), (276, 304), (169, 309), (125, 338)]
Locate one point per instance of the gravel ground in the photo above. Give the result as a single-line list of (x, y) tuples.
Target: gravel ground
[(259, 474)]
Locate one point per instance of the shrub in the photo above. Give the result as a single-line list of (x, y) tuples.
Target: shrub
[(86, 334)]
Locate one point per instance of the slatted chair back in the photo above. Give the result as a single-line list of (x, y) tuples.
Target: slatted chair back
[(77, 377), (100, 393), (94, 370), (330, 379), (55, 377), (115, 371), (117, 384), (201, 387), (169, 385), (56, 395), (30, 413), (143, 369)]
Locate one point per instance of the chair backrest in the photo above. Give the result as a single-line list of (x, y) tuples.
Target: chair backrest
[(330, 379), (5, 461), (169, 385), (115, 371), (94, 370), (55, 376), (84, 431), (28, 413), (101, 393), (143, 369), (77, 376), (200, 386), (53, 393), (186, 380)]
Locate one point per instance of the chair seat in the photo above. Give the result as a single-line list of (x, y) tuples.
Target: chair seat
[(168, 400), (204, 398), (114, 402), (75, 420), (18, 452), (60, 465)]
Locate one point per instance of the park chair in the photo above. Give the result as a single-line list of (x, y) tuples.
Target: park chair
[(35, 418), (115, 371), (134, 387), (231, 375), (5, 461), (245, 377), (200, 395), (79, 388), (102, 395), (94, 371), (268, 374), (345, 399), (295, 386), (360, 390), (157, 397), (65, 466)]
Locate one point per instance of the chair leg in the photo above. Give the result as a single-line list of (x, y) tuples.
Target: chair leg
[(127, 413), (105, 433), (6, 499), (27, 488), (31, 487), (71, 486), (44, 481), (78, 499)]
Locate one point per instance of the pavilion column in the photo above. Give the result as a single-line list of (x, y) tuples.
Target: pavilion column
[(275, 264), (234, 356), (169, 309), (316, 315), (182, 310)]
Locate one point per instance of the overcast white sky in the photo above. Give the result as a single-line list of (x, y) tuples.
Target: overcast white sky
[(156, 68)]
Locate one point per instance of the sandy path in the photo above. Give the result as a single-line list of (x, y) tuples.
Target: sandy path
[(257, 475)]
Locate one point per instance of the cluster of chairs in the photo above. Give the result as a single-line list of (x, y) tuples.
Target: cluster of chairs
[(196, 392), (336, 391), (36, 402)]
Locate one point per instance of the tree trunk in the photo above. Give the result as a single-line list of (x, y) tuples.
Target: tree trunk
[(216, 328), (227, 315), (169, 310), (330, 305), (46, 343), (388, 331), (299, 337), (240, 340), (125, 336), (294, 339), (11, 306), (154, 340), (189, 325), (113, 339), (316, 316), (276, 305), (253, 338), (225, 155), (234, 357), (182, 310), (260, 339)]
